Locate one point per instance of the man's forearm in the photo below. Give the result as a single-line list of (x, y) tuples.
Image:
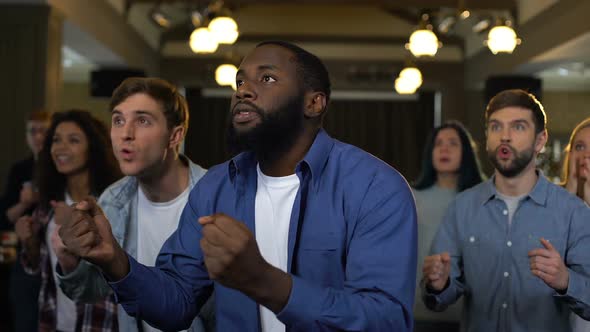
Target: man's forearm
[(16, 211), (271, 288), (117, 268)]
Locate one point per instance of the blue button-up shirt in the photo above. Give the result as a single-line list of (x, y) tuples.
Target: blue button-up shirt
[(351, 250), (490, 262)]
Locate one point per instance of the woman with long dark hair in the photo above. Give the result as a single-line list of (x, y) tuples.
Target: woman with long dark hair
[(449, 166), (76, 161)]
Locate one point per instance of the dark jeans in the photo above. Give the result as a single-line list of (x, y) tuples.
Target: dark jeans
[(435, 326), (24, 298)]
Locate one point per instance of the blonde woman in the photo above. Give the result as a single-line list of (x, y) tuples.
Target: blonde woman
[(575, 179)]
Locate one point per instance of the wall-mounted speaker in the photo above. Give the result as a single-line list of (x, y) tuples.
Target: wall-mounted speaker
[(104, 81), (496, 84)]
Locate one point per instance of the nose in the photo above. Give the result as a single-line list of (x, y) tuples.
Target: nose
[(57, 145), (506, 135), (39, 135), (245, 91), (128, 131)]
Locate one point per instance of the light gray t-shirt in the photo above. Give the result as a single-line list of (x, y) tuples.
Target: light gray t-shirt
[(431, 205), (511, 204)]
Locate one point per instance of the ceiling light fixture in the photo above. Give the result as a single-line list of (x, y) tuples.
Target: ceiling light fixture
[(225, 75), (159, 18), (464, 14), (412, 75), (423, 42), (481, 25), (409, 79), (197, 18), (202, 41), (502, 38), (404, 87), (446, 24), (225, 29)]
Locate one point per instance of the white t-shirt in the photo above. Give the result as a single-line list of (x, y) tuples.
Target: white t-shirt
[(66, 308), (274, 202), (156, 222)]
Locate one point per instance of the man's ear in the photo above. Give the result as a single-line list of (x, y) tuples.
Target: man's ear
[(541, 140), (176, 136), (314, 104)]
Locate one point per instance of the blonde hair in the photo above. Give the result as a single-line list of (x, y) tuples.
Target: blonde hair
[(565, 168)]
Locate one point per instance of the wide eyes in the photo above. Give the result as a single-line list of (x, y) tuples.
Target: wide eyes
[(264, 79)]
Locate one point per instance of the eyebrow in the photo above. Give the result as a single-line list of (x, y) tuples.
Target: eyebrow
[(513, 121), (260, 68), (56, 134), (136, 112)]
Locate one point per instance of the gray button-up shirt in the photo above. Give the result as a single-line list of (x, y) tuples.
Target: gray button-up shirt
[(490, 262)]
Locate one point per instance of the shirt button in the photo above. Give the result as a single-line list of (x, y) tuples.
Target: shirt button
[(509, 243), (472, 239), (506, 274), (505, 212), (504, 305)]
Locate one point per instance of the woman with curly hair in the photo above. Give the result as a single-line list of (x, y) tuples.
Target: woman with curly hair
[(76, 161)]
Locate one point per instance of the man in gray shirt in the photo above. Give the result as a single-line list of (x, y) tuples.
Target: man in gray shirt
[(516, 246)]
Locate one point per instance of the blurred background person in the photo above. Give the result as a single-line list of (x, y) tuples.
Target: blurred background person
[(449, 166), (76, 161), (19, 198), (574, 178)]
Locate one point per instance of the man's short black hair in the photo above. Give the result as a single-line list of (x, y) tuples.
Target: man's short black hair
[(311, 69)]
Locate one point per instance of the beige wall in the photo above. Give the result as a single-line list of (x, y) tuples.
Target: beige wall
[(77, 95), (565, 110), (30, 41)]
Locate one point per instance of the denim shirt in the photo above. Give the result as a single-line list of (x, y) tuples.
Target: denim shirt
[(490, 263), (351, 248), (119, 204)]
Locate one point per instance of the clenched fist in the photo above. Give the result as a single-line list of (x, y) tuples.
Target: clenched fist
[(87, 234), (233, 259), (436, 271), (26, 229)]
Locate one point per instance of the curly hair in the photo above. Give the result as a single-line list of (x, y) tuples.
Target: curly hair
[(102, 165)]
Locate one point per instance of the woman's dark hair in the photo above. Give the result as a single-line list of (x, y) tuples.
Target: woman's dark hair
[(469, 169), (102, 165)]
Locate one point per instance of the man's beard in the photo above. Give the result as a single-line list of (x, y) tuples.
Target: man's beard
[(274, 135), (516, 166)]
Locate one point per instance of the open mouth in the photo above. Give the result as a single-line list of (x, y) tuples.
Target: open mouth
[(126, 153), (504, 152), (245, 114)]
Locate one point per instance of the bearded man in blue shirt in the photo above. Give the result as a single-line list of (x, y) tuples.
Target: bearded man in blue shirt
[(299, 232), (516, 247)]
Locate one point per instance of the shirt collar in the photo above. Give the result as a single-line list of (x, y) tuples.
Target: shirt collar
[(538, 194), (315, 159)]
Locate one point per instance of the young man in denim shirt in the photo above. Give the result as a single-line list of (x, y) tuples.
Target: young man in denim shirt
[(149, 122), (516, 246)]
